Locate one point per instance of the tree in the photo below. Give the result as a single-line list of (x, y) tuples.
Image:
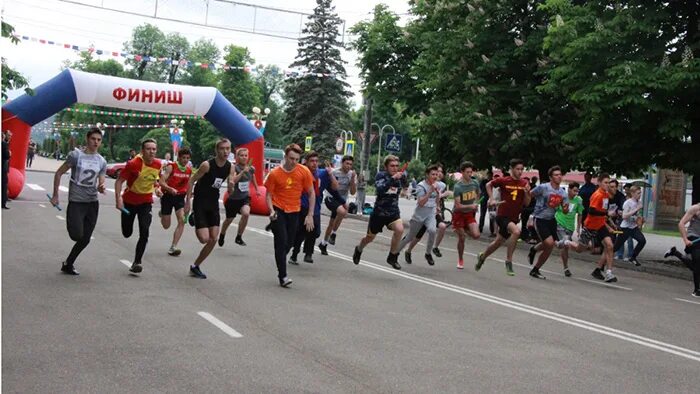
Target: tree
[(316, 102), (631, 71), (270, 81), (176, 47), (203, 51), (12, 79), (236, 83), (146, 40)]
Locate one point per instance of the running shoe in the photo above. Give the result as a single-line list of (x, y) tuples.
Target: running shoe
[(285, 282), (324, 249), (460, 264), (190, 220), (393, 261), (68, 269), (509, 268), (567, 273), (407, 257), (634, 261), (531, 255), (535, 273), (308, 259), (670, 252), (597, 274), (196, 272), (173, 251), (239, 240), (429, 259), (221, 239), (609, 277), (437, 253), (136, 268), (479, 261), (356, 256), (696, 293), (293, 260), (331, 240)]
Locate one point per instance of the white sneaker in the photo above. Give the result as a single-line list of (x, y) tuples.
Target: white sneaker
[(609, 277)]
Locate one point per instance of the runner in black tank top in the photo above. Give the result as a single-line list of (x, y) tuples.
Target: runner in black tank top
[(207, 182)]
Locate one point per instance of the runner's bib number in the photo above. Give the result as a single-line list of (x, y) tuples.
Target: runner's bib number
[(217, 183), (88, 172), (244, 186)]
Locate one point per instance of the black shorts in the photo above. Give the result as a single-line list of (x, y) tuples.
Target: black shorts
[(206, 214), (595, 237), (423, 229), (170, 202), (233, 207), (546, 228), (332, 204), (377, 223), (503, 222), (81, 218)]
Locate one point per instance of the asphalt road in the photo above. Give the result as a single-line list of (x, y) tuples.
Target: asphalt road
[(339, 328)]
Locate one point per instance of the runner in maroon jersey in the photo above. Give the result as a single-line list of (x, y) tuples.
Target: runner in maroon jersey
[(515, 194)]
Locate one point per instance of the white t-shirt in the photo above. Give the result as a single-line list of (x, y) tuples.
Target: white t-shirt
[(629, 206)]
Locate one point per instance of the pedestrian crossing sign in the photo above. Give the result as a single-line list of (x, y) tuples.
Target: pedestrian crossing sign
[(350, 148), (393, 143)]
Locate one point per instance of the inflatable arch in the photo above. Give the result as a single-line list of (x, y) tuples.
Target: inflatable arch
[(72, 86)]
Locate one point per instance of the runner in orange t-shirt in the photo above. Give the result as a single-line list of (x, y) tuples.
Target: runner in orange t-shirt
[(284, 187), (595, 230), (515, 194), (141, 176)]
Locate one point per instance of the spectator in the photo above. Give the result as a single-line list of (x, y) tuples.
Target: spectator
[(6, 154), (483, 205), (620, 254), (132, 153), (631, 224), (30, 153), (527, 229)]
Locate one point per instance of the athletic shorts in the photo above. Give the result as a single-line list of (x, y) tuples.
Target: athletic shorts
[(170, 202), (423, 229), (595, 237), (233, 207), (546, 228), (206, 214), (564, 234), (503, 222), (377, 223), (463, 219), (332, 204)]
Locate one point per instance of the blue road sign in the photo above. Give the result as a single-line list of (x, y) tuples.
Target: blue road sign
[(393, 143)]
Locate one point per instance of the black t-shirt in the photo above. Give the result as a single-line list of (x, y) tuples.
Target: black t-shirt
[(388, 190), (207, 187)]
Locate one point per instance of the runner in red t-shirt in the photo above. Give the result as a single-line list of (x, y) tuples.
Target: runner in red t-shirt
[(515, 194), (173, 183)]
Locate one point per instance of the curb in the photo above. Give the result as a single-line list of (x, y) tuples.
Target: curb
[(666, 268)]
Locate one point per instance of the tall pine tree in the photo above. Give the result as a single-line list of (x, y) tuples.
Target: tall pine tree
[(317, 102)]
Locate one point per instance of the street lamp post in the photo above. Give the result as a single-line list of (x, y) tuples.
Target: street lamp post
[(381, 131)]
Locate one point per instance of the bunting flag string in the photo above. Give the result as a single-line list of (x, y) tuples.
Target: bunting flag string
[(289, 73), (132, 114), (104, 125)]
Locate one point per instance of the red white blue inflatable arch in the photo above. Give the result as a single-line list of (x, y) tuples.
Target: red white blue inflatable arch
[(71, 86)]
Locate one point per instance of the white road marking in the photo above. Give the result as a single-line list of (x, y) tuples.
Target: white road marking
[(63, 189), (220, 325), (109, 190), (688, 301), (126, 263), (572, 321), (596, 282), (42, 205), (34, 186), (60, 217)]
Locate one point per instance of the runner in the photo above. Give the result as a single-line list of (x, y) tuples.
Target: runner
[(388, 184), (630, 226), (141, 176), (87, 178), (284, 185), (596, 231), (515, 193), (323, 180), (173, 183), (441, 225), (467, 192), (691, 237), (347, 184), (207, 182), (549, 197), (238, 200), (427, 195), (569, 223)]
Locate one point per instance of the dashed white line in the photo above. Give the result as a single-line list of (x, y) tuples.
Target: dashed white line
[(34, 186), (126, 263), (60, 217), (42, 205), (110, 190), (688, 301), (220, 325), (63, 189)]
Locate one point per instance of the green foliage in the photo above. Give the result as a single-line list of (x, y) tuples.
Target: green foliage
[(317, 105), (204, 51), (162, 137), (146, 40), (12, 79), (416, 169), (236, 85)]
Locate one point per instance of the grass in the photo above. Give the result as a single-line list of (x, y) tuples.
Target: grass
[(663, 232)]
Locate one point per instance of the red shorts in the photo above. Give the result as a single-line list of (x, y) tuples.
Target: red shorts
[(463, 219)]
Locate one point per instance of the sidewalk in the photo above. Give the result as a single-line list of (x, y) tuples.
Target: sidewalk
[(45, 164), (651, 257)]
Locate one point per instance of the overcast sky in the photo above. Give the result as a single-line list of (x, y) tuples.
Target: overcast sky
[(107, 30)]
